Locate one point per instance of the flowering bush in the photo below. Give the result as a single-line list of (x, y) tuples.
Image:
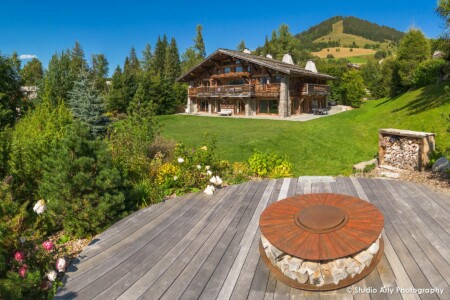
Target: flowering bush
[(189, 170), (270, 165), (30, 268)]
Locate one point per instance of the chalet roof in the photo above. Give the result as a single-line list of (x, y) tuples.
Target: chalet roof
[(270, 63)]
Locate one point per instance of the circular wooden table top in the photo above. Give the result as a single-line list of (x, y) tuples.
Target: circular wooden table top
[(321, 226)]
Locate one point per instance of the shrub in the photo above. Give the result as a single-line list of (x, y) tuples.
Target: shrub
[(81, 185), (189, 170), (33, 138), (428, 72), (25, 257), (433, 156), (269, 165), (369, 168)]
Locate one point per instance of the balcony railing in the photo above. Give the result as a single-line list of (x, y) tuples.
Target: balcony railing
[(315, 89), (255, 90), (242, 90)]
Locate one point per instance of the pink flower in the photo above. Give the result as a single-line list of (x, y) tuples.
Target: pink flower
[(23, 271), (19, 256), (47, 245), (61, 264)]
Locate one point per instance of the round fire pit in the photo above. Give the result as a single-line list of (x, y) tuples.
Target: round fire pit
[(321, 241)]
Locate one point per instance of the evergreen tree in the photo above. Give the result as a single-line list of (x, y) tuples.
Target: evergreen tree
[(81, 185), (159, 58), (147, 59), (199, 44), (413, 49), (189, 59), (32, 73), (100, 69), (78, 61), (241, 46), (172, 64), (116, 99), (195, 54), (134, 61), (88, 106), (130, 79), (141, 106), (58, 80)]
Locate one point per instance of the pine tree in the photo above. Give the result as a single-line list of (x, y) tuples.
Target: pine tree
[(147, 59), (100, 69), (134, 61), (159, 58), (141, 106), (88, 106), (241, 46), (172, 63), (130, 78), (78, 61), (116, 99), (81, 185), (199, 43)]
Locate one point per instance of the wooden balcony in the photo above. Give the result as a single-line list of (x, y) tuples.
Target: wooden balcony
[(315, 89), (240, 91)]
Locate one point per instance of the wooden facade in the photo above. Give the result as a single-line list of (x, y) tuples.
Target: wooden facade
[(250, 85)]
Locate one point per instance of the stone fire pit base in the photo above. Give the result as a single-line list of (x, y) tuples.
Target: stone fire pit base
[(321, 275)]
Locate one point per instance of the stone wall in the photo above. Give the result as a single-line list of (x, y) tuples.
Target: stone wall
[(318, 273)]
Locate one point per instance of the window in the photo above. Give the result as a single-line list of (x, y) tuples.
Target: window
[(268, 106), (227, 70), (239, 69), (277, 79)]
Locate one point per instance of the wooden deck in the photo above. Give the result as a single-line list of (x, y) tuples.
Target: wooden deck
[(206, 247)]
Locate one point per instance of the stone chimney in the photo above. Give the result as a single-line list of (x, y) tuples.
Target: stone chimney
[(287, 58), (269, 56), (311, 66), (247, 51)]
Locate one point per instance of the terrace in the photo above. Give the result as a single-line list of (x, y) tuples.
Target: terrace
[(206, 247), (252, 90)]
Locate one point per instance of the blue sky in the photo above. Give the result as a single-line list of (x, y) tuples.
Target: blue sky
[(42, 28)]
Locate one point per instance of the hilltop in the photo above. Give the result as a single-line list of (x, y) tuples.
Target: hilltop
[(349, 32)]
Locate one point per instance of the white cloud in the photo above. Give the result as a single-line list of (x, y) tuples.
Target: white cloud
[(27, 56)]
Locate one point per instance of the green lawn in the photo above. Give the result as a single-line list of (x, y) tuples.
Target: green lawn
[(360, 59), (326, 146)]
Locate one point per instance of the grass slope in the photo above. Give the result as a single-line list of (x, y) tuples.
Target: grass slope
[(347, 39), (345, 53), (325, 146)]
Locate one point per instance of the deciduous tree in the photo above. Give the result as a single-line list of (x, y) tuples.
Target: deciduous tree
[(32, 72)]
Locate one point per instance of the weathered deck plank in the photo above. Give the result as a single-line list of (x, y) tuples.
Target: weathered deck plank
[(206, 247)]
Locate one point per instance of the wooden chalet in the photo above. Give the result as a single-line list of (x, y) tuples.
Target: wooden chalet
[(244, 84)]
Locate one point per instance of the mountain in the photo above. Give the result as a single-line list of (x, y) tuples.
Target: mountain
[(350, 31)]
